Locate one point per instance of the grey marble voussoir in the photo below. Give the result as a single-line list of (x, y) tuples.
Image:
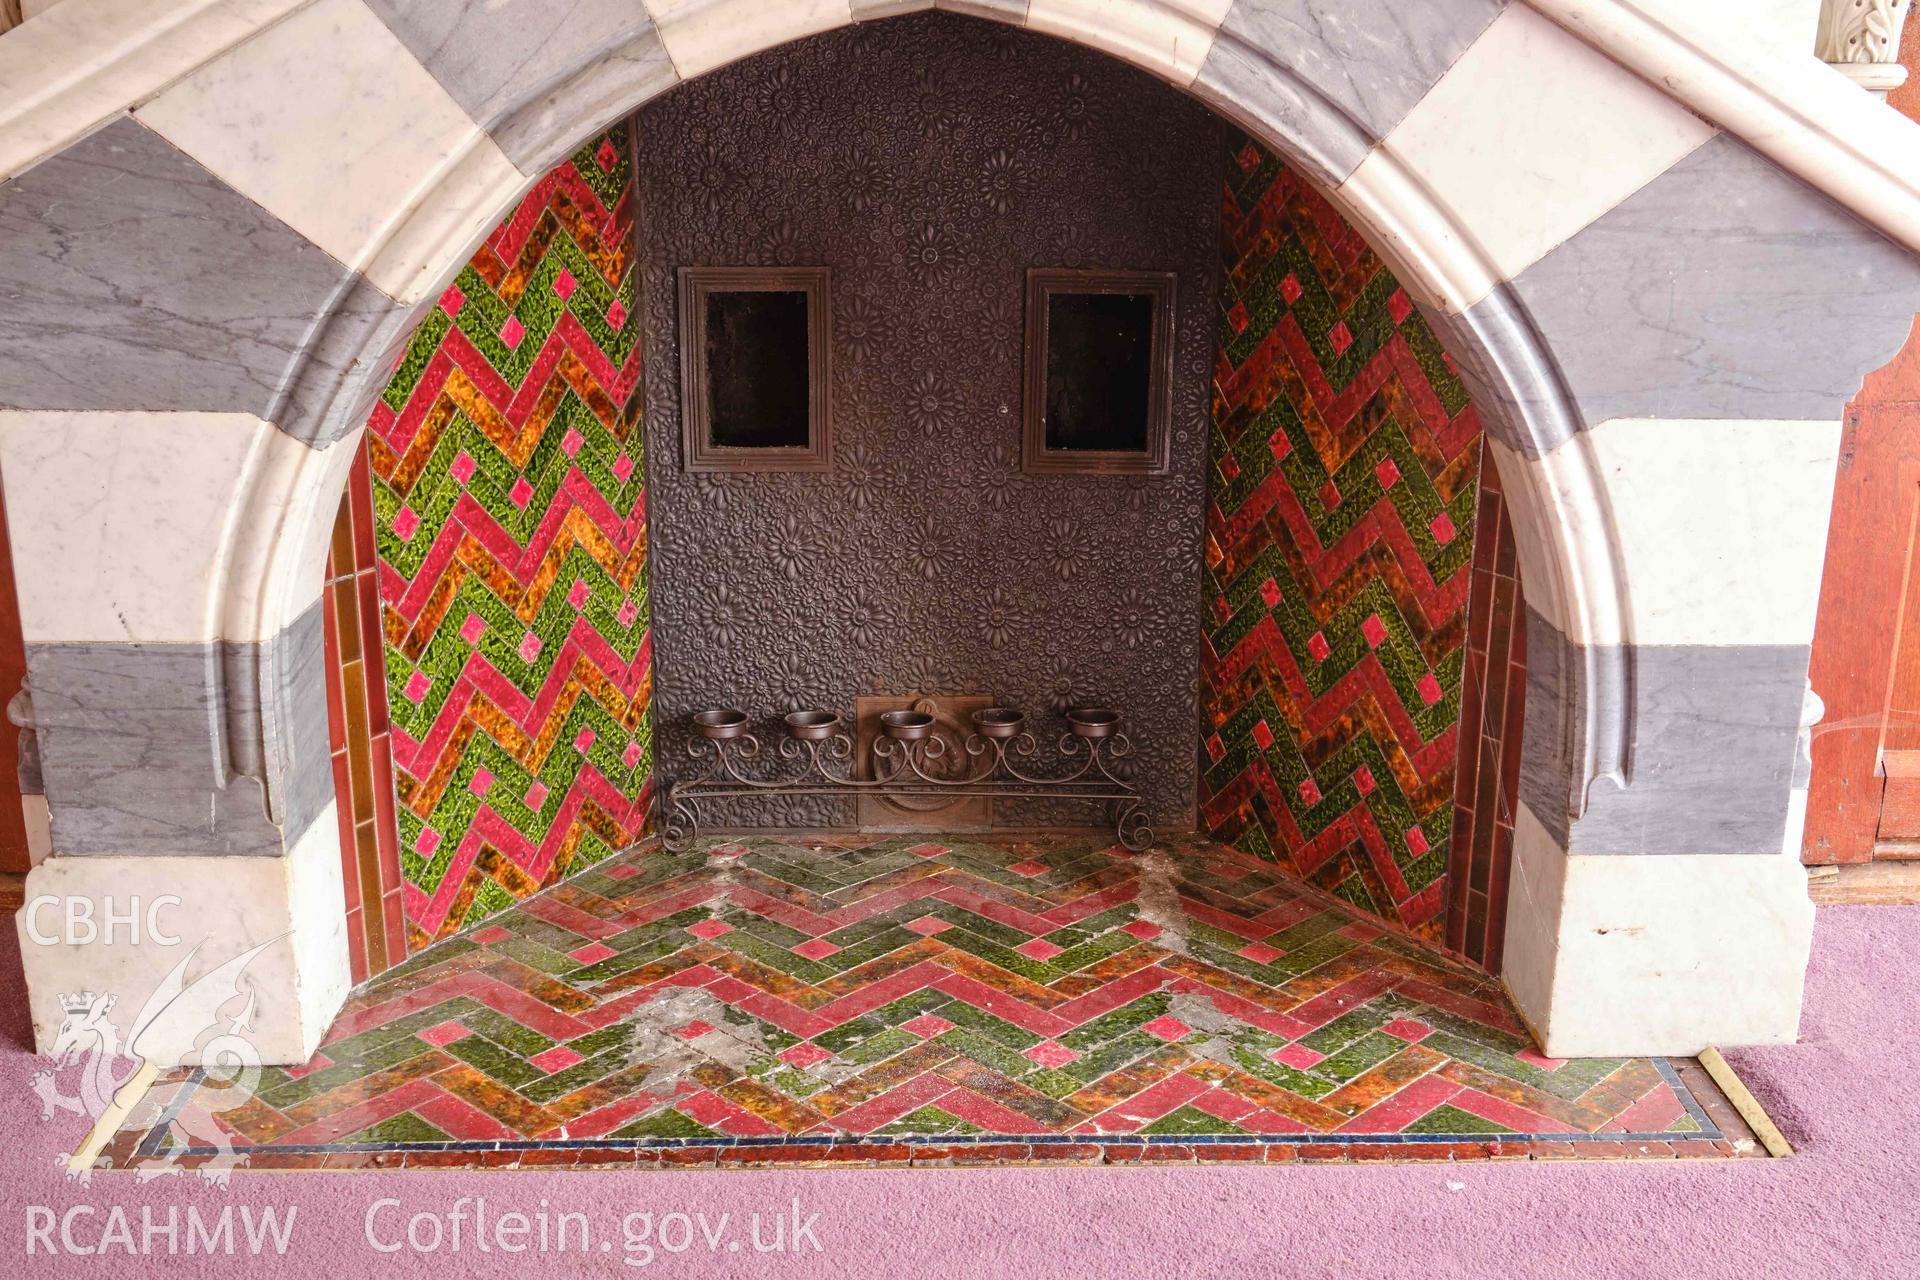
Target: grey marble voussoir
[(1712, 752), (1323, 80), (1523, 401), (169, 749), (131, 278), (1724, 288), (539, 75), (334, 381)]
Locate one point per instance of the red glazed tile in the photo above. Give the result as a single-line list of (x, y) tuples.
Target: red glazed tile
[(558, 1058), (445, 1034), (1167, 1028), (1297, 1056), (313, 1064), (803, 1055), (1050, 1053), (927, 1026)]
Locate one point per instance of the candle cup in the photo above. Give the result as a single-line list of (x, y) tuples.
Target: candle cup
[(721, 722), (906, 726), (1093, 722), (812, 726), (998, 722)]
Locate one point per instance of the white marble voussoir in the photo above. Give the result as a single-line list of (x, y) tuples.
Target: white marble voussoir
[(1330, 78), (370, 158), (538, 75), (1169, 38), (1531, 135), (703, 34)]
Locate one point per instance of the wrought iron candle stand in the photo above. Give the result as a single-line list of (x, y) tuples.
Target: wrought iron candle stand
[(816, 755)]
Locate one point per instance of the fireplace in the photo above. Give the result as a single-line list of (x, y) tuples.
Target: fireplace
[(836, 473), (1321, 507)]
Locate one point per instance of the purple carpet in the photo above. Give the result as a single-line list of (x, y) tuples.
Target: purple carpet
[(1842, 1206)]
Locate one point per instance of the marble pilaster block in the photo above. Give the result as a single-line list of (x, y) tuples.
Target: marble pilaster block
[(165, 527), (1718, 528), (157, 749), (1608, 956), (1710, 733), (214, 909)]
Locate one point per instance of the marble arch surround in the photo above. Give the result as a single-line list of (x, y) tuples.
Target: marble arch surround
[(219, 218)]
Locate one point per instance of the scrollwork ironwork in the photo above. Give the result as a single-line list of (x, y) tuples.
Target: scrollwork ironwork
[(1004, 768)]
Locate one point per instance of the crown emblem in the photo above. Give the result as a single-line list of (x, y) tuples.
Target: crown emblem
[(77, 1002)]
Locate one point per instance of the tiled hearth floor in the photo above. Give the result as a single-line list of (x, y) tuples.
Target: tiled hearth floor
[(960, 999)]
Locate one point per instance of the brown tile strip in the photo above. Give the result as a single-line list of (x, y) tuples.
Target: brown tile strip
[(362, 750)]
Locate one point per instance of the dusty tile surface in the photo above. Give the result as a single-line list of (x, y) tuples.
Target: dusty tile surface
[(865, 999)]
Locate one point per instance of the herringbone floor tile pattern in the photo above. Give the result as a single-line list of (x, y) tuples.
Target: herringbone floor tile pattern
[(861, 997)]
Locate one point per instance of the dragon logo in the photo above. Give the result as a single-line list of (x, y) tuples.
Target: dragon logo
[(171, 1024)]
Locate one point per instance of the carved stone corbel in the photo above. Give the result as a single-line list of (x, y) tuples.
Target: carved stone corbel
[(1861, 40)]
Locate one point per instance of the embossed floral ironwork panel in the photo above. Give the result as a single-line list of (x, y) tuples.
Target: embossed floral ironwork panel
[(929, 161)]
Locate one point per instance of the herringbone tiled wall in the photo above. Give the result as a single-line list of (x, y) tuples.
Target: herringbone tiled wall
[(507, 486), (1346, 463)]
